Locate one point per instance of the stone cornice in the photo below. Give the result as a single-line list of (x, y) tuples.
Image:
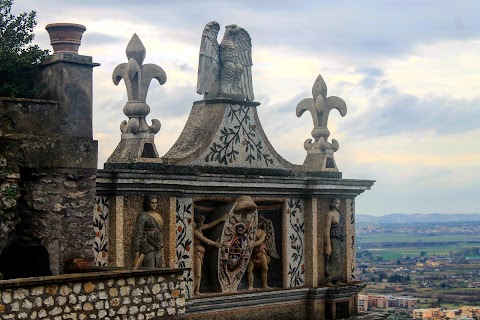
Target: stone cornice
[(127, 182)]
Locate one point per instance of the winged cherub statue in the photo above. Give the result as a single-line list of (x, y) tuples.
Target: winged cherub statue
[(264, 250), (225, 70)]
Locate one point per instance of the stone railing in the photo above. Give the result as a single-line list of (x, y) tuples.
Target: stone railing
[(142, 294)]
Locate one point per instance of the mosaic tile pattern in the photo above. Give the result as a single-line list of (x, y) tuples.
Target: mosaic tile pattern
[(238, 142), (296, 241), (100, 227), (184, 241), (352, 266)]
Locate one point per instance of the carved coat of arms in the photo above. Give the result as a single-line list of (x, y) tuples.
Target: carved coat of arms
[(238, 239)]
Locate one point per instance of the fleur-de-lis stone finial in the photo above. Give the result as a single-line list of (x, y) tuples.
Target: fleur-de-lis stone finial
[(138, 138), (320, 107), (137, 77)]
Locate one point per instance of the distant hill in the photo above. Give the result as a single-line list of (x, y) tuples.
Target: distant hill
[(402, 218)]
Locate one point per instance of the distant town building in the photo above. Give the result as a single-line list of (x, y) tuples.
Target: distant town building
[(471, 312), (451, 314), (403, 302), (377, 302), (362, 303), (464, 313), (427, 314), (369, 302)]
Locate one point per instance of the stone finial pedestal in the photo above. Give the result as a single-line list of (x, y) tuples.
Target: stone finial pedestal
[(68, 80), (320, 161), (319, 150), (138, 138), (135, 148)]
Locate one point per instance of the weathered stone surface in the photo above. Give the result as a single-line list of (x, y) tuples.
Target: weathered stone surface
[(225, 133), (9, 193), (68, 79), (320, 150), (70, 226), (137, 143), (88, 287), (18, 302), (225, 69), (50, 160)]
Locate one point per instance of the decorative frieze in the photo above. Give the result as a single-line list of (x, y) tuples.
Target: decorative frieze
[(100, 227), (295, 219), (184, 243)]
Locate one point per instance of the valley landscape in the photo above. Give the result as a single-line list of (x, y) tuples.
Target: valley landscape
[(432, 257)]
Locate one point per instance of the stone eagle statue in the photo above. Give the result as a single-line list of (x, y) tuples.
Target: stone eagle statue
[(225, 70)]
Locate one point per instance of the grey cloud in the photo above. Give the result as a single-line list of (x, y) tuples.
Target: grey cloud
[(112, 104), (290, 105), (355, 30), (185, 67), (402, 112), (370, 71), (101, 39), (163, 106), (344, 85), (368, 83), (176, 103)]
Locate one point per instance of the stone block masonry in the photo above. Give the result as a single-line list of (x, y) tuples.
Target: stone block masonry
[(48, 147), (144, 294), (56, 179)]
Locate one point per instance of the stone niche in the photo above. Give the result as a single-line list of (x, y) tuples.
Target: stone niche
[(271, 209), (122, 216)]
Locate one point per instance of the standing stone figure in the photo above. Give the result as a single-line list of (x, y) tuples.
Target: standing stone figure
[(334, 242), (148, 236), (199, 249), (264, 249), (225, 70)]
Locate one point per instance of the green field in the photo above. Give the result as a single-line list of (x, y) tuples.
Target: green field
[(402, 237), (396, 253), (394, 246), (444, 284)]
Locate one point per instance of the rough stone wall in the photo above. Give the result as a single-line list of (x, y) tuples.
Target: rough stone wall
[(55, 174), (9, 193), (116, 295), (56, 211)]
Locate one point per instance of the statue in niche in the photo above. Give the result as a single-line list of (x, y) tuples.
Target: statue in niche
[(148, 236), (199, 249), (264, 250), (334, 242), (225, 70)]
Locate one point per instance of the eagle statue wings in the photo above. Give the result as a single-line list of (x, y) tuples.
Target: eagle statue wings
[(225, 69)]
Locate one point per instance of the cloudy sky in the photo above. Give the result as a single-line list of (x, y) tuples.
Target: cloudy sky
[(409, 72)]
